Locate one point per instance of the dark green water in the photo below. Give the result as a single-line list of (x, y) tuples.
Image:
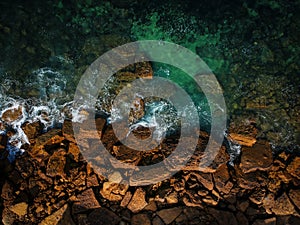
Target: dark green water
[(251, 46)]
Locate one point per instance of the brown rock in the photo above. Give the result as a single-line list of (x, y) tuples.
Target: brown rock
[(138, 201), (103, 216), (56, 164), (85, 201), (223, 217), (259, 157), (294, 167), (126, 199), (74, 151), (92, 181), (12, 114), (32, 129), (67, 131), (19, 209), (151, 206), (157, 221), (140, 219), (221, 178), (169, 215), (113, 191), (294, 195), (60, 217), (258, 196), (281, 206), (243, 139)]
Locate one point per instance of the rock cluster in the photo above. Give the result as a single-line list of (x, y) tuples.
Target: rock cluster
[(53, 184)]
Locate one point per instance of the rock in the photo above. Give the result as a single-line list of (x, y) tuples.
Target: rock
[(169, 215), (223, 217), (56, 164), (242, 206), (140, 219), (126, 199), (103, 216), (221, 178), (12, 114), (243, 140), (259, 157), (281, 206), (138, 201), (172, 198), (294, 167), (92, 181), (74, 151), (67, 131), (157, 221), (113, 191), (258, 196), (85, 201), (32, 130), (19, 209), (270, 221), (294, 195), (60, 217), (151, 206)]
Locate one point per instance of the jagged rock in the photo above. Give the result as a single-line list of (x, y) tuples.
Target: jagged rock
[(74, 151), (151, 206), (67, 131), (126, 199), (103, 216), (113, 191), (19, 209), (258, 196), (60, 217), (32, 130), (138, 201), (56, 164), (169, 215), (243, 139), (259, 157), (172, 198), (279, 206), (270, 221), (221, 178), (294, 195), (85, 201), (92, 181), (294, 167), (223, 217), (140, 219)]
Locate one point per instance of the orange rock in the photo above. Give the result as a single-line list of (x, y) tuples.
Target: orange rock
[(243, 140)]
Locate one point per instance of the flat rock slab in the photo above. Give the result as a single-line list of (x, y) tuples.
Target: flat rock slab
[(60, 217), (138, 201), (259, 157), (86, 201), (169, 215)]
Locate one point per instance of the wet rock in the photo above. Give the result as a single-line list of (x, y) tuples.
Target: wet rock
[(140, 219), (67, 131), (259, 157), (56, 164), (85, 201), (279, 206), (12, 114), (169, 215), (103, 216), (32, 130), (60, 217), (223, 217), (294, 195), (270, 221), (138, 201)]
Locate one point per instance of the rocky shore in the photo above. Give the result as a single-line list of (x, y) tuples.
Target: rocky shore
[(51, 183)]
